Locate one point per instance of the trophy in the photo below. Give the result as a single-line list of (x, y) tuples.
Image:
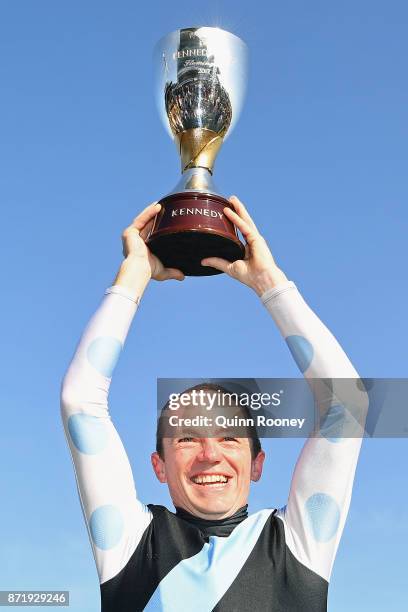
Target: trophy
[(201, 81)]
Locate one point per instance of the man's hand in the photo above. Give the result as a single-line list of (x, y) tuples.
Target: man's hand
[(140, 265), (258, 269)]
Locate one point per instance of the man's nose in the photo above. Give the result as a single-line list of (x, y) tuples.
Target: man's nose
[(209, 451)]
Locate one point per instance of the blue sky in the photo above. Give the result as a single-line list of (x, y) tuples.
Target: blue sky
[(319, 156)]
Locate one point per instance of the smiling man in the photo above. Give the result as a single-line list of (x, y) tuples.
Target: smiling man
[(208, 469), (209, 554)]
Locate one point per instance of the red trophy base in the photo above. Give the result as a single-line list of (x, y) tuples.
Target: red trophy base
[(191, 226)]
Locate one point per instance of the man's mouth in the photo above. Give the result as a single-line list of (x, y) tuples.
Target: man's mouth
[(209, 480)]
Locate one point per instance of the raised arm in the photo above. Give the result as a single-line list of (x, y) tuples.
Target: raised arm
[(115, 518), (322, 482)]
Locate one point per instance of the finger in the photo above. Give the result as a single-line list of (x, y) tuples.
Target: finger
[(146, 230), (145, 216), (241, 210), (217, 262), (170, 273), (249, 232)]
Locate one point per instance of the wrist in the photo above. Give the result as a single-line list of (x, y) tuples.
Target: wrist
[(134, 274), (268, 279)]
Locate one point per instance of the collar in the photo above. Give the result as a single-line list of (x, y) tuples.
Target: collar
[(219, 527)]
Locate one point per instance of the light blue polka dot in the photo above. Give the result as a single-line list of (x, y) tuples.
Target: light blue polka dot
[(332, 424), (302, 351), (106, 524), (323, 515), (88, 433), (103, 353)]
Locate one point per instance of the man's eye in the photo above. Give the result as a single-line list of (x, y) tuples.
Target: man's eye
[(186, 439), (229, 439)]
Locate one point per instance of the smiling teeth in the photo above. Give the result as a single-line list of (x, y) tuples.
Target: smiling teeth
[(209, 479)]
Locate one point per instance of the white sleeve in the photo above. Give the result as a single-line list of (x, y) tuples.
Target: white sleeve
[(322, 482), (115, 518)]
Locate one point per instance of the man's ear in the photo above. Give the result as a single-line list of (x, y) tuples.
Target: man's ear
[(159, 467), (257, 465)]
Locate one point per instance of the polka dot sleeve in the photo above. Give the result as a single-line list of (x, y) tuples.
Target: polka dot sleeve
[(322, 482), (115, 518)]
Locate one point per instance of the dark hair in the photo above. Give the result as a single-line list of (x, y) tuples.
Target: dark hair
[(256, 446)]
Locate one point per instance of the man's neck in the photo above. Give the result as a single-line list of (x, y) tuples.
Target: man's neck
[(218, 527)]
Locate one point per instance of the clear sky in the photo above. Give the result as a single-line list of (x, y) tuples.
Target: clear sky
[(319, 156)]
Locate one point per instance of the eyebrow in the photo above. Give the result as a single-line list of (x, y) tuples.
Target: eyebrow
[(218, 433), (187, 433)]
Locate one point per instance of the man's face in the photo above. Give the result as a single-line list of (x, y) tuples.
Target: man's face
[(208, 476)]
